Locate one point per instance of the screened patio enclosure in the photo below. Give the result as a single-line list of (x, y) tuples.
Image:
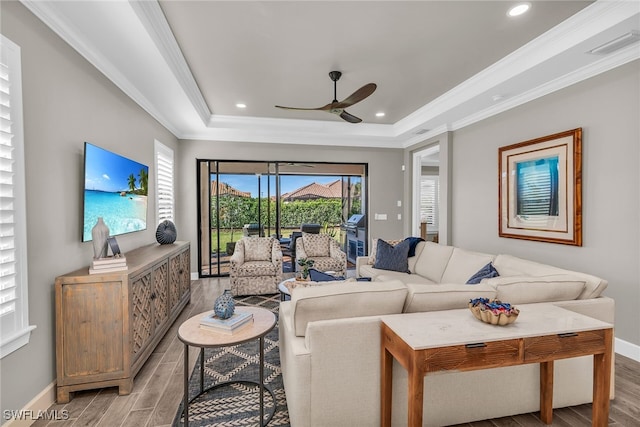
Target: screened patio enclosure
[(241, 198)]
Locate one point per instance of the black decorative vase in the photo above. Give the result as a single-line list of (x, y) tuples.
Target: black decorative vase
[(224, 306), (166, 232)]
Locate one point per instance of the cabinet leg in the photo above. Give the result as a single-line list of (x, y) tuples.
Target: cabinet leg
[(125, 387), (62, 395)]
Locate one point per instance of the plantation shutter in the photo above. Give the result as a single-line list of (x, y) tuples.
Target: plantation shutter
[(429, 198), (13, 254), (164, 182), (537, 188)]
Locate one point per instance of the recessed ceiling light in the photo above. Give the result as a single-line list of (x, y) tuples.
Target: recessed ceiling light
[(519, 9), (380, 114), (240, 105)]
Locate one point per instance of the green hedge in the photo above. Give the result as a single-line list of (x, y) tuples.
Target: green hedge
[(238, 211)]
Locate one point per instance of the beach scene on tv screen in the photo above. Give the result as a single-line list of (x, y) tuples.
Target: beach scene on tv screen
[(115, 189)]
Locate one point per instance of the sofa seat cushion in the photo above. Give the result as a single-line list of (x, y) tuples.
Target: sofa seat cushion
[(433, 260), (530, 289), (508, 265), (463, 265), (403, 277), (345, 300), (436, 297), (256, 268)]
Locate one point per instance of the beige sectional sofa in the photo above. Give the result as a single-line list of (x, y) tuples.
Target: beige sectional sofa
[(330, 340)]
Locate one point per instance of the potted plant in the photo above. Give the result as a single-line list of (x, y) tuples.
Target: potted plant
[(306, 264)]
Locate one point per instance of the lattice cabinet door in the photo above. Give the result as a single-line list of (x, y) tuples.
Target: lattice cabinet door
[(185, 277), (174, 281), (160, 295), (142, 312)]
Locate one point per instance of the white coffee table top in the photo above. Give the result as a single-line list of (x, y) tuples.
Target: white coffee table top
[(459, 327)]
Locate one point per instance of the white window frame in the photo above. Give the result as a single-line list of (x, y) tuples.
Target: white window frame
[(165, 182), (15, 330)]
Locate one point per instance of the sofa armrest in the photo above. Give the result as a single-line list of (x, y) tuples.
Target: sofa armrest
[(237, 258), (300, 252), (360, 261)]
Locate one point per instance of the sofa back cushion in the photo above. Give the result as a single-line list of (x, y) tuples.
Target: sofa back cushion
[(530, 289), (432, 261), (464, 264), (508, 265), (345, 300), (437, 297)]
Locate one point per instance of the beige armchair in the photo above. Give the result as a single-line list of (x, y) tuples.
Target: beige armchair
[(324, 250), (256, 266)]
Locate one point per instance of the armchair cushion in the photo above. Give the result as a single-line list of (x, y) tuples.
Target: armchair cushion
[(257, 249), (315, 244), (256, 268)]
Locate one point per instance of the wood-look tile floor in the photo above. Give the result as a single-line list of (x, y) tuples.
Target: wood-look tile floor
[(157, 390)]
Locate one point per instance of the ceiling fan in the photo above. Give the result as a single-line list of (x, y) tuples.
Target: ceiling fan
[(338, 107)]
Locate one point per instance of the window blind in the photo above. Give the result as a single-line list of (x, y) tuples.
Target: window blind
[(429, 198), (164, 182), (8, 294), (14, 314)]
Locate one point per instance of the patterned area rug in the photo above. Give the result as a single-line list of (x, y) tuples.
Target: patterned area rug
[(238, 404)]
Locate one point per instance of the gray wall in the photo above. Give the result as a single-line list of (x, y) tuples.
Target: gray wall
[(66, 102), (385, 178), (607, 109)]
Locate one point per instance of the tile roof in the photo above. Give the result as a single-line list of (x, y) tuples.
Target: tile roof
[(227, 189)]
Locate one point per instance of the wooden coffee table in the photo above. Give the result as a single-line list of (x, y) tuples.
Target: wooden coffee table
[(191, 334), (454, 340)]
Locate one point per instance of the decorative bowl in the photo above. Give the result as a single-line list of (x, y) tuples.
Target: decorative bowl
[(494, 312)]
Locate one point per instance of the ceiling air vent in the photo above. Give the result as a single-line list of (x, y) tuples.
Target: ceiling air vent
[(618, 43), (422, 131)]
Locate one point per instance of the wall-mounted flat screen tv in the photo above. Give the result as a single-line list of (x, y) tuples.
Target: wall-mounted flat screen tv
[(116, 189)]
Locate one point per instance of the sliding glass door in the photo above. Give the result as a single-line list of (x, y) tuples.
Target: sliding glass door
[(246, 198)]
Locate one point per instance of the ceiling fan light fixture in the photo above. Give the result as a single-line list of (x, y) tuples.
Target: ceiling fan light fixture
[(519, 9)]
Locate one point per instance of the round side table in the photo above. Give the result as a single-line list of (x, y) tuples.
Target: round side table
[(191, 334)]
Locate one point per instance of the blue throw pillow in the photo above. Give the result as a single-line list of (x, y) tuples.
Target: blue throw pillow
[(413, 243), (484, 273), (319, 276), (393, 258)]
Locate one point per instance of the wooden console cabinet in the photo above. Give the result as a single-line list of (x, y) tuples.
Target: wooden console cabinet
[(108, 324)]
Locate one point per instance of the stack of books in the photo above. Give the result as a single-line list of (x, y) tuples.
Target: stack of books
[(108, 264), (237, 321)]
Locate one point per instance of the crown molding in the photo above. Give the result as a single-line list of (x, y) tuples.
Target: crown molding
[(622, 57), (48, 13), (465, 104), (152, 17)]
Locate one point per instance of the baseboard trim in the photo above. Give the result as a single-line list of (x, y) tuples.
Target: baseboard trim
[(37, 408), (47, 397), (627, 349)]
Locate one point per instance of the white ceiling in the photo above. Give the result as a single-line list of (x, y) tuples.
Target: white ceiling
[(439, 65)]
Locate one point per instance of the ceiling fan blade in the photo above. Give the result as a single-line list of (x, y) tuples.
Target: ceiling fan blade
[(304, 109), (357, 96), (350, 117)]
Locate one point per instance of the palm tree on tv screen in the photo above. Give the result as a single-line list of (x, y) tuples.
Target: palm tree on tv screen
[(131, 181), (144, 180)]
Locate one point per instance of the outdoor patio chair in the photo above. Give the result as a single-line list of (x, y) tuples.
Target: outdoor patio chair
[(256, 266)]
